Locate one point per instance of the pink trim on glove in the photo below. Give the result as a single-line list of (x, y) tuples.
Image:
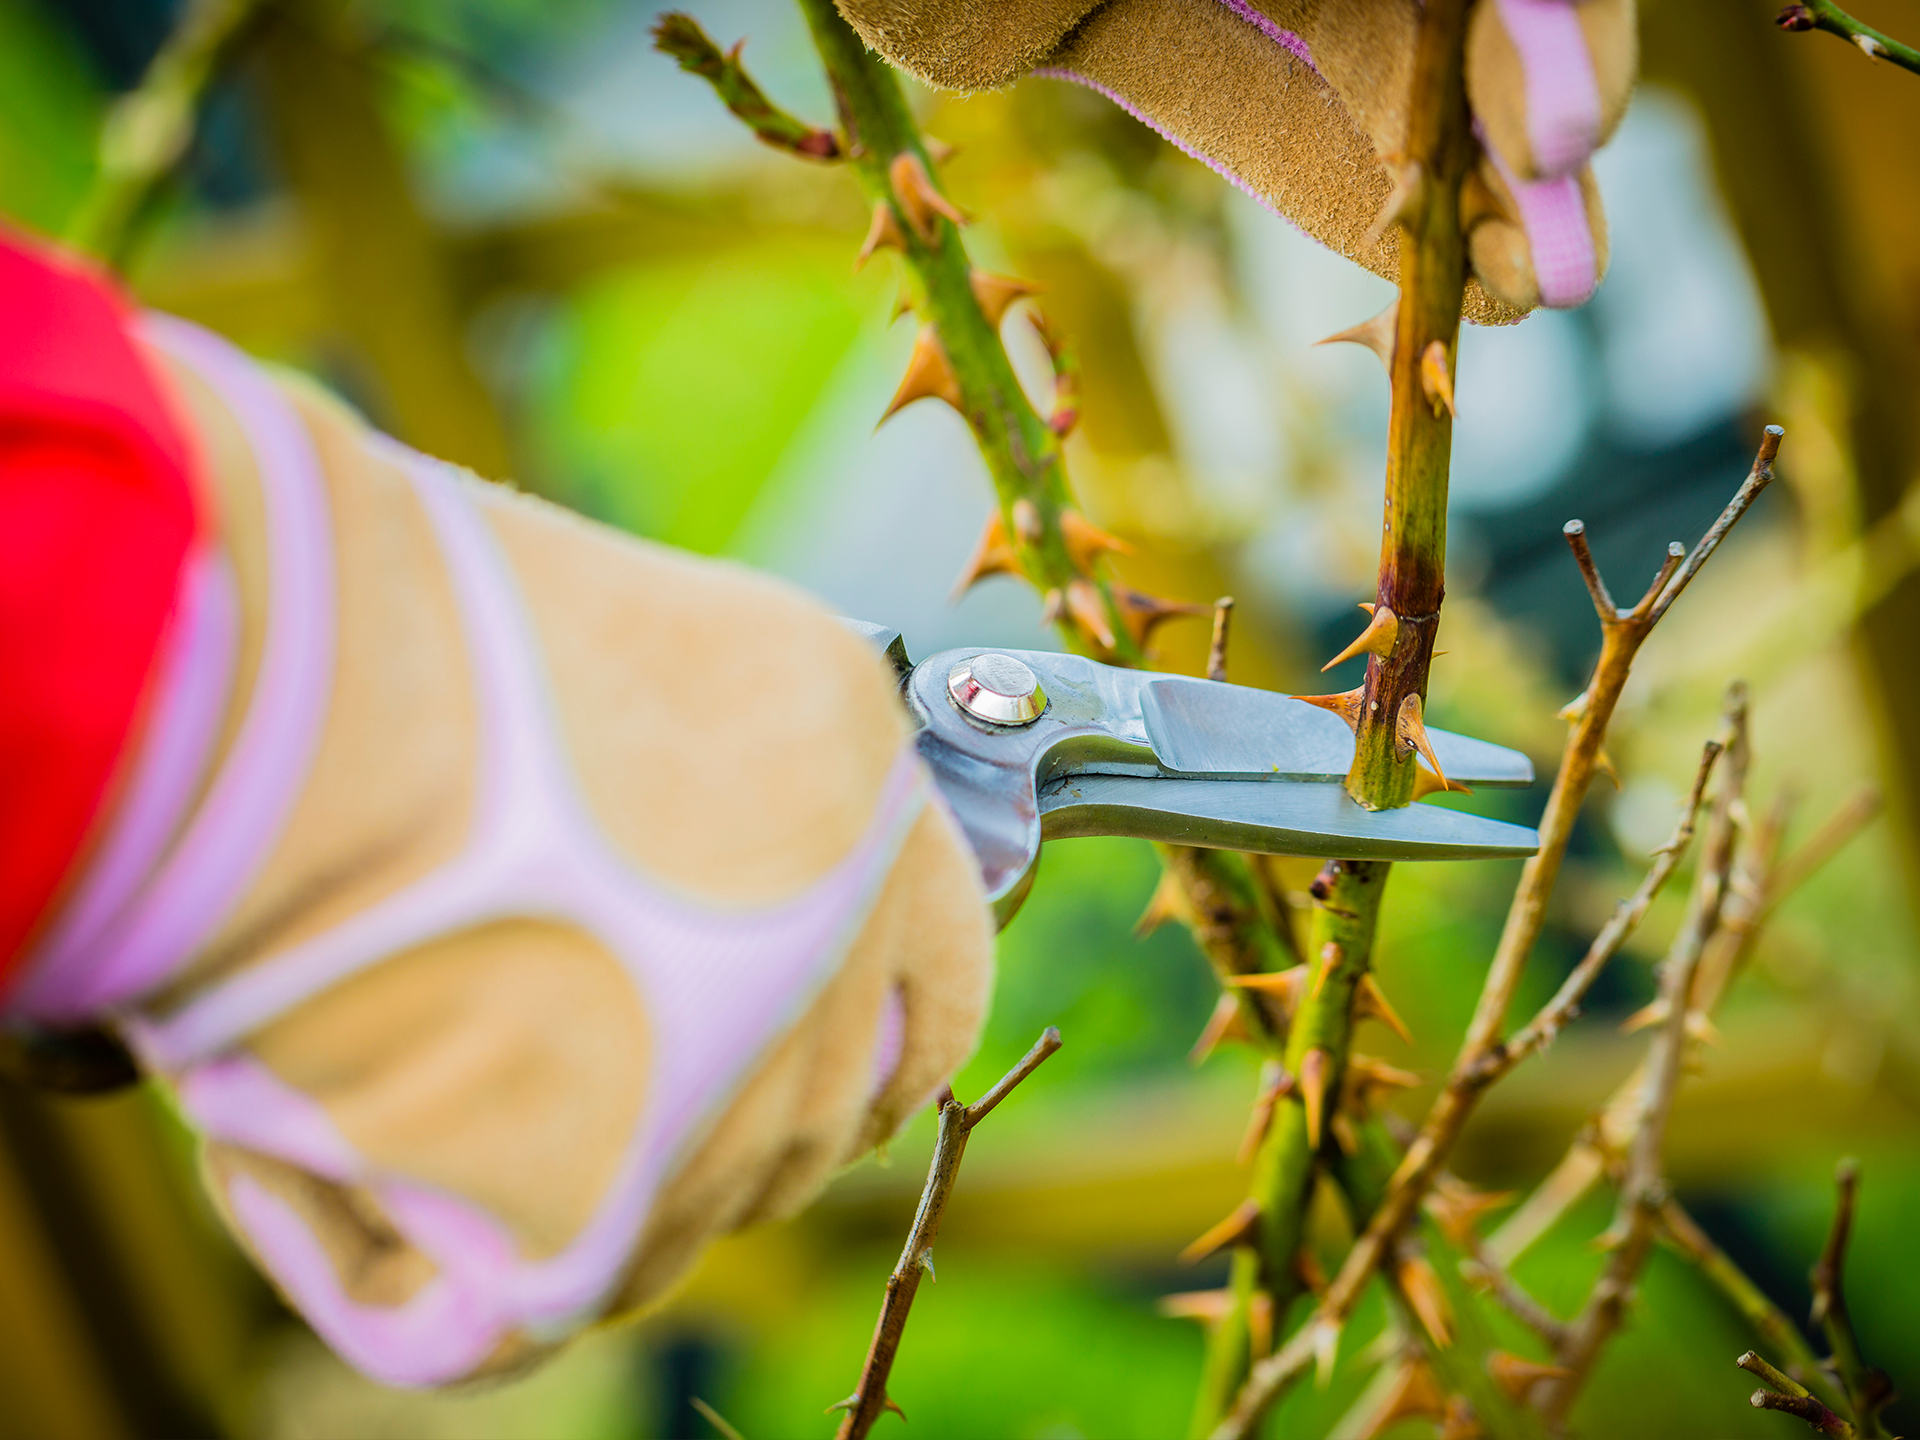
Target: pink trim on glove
[(1268, 27), (235, 827), (449, 1325), (1553, 213), (241, 1101), (1563, 96)]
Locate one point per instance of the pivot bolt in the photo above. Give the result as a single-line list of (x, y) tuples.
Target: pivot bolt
[(997, 689)]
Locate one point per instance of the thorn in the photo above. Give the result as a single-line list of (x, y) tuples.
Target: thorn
[(1329, 957), (996, 292), (1435, 379), (918, 197), (1479, 201), (883, 232), (929, 376), (939, 151), (1412, 733), (1026, 521), (1217, 648), (1308, 1271), (846, 1404), (1603, 762), (926, 1263), (1143, 613), (1086, 605), (1260, 1325), (1869, 46), (1399, 203), (1239, 1228), (1224, 1024), (1415, 1395), (1517, 1376), (1344, 1135), (1366, 1074), (1574, 709), (1377, 639), (1050, 606), (1326, 1349), (1346, 704), (1426, 783), (1274, 1083), (1460, 1422), (992, 556), (890, 1404), (1204, 1305), (1314, 1068), (1369, 1003), (1288, 984), (902, 305), (1611, 1238), (1421, 1285), (1086, 541), (1168, 902), (1653, 1013), (1376, 334), (1457, 1208)]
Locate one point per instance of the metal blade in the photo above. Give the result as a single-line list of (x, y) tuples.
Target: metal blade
[(1202, 728), (1272, 819)]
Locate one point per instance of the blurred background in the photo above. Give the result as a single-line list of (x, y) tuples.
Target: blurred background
[(515, 236)]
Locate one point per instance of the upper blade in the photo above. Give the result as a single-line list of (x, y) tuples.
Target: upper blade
[(1271, 819), (1200, 727)]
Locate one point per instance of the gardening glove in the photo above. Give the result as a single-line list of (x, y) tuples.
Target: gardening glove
[(513, 906), (1303, 103)]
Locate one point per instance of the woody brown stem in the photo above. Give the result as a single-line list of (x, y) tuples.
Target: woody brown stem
[(1643, 1189), (1866, 1388), (869, 1399), (1827, 16)]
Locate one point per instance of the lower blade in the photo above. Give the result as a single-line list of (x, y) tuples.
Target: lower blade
[(1272, 819)]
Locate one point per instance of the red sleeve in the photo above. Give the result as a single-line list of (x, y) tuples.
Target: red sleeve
[(96, 517)]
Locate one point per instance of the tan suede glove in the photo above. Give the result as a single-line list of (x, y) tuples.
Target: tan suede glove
[(547, 902), (1302, 102)]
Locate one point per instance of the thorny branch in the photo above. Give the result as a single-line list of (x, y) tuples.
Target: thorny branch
[(869, 1399), (1825, 15), (1790, 1398), (1867, 1388)]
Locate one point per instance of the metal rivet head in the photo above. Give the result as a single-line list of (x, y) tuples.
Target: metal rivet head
[(997, 689)]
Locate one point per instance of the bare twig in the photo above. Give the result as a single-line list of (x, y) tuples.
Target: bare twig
[(1825, 15), (1826, 842), (869, 1398), (1866, 1387), (1621, 640), (1217, 650), (1643, 1189), (1804, 1406), (1482, 1269), (1564, 1007), (1767, 1319), (714, 1418)]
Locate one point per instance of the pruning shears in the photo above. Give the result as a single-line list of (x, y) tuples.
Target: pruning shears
[(1029, 745)]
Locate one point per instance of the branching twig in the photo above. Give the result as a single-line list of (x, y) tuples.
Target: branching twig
[(1643, 1189), (1866, 1387), (1790, 1398), (1623, 632), (1564, 1007), (869, 1398), (1827, 16)]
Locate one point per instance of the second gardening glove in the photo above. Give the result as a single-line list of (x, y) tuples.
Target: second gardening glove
[(1303, 103)]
